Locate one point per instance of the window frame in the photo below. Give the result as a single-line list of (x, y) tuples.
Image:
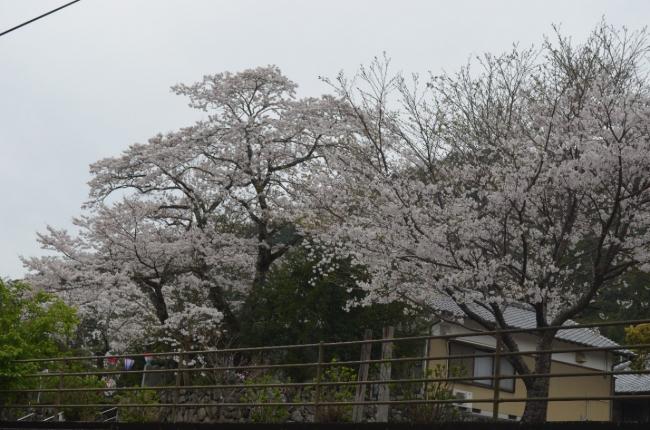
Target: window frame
[(486, 383)]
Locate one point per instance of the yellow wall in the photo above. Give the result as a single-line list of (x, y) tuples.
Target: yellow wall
[(588, 386)]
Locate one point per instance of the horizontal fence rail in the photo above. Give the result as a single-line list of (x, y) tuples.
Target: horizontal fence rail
[(239, 376), (624, 348), (342, 383), (534, 330), (351, 403)]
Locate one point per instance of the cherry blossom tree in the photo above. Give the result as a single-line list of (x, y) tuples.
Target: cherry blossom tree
[(524, 181), (244, 160), (521, 181), (128, 273), (203, 212)]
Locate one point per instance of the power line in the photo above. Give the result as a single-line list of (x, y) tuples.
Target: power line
[(38, 17)]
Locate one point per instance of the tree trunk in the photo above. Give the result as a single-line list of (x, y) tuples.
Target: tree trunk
[(262, 266), (154, 292), (249, 312), (535, 411), (216, 296)]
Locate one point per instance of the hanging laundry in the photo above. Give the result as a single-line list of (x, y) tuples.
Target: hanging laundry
[(128, 363)]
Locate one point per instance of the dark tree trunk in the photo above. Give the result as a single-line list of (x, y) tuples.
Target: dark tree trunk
[(154, 291), (262, 266), (535, 411), (216, 296)]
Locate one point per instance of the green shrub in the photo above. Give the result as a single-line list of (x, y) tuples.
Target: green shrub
[(138, 414), (429, 412), (77, 397), (336, 393), (33, 324), (638, 334), (265, 414)]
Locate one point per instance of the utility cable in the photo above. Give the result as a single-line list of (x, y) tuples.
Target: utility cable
[(38, 17)]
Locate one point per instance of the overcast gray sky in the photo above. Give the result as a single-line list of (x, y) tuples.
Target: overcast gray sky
[(86, 82)]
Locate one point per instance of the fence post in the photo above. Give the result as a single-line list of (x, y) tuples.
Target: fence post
[(319, 371), (496, 381), (144, 374), (384, 374), (360, 394), (61, 383), (177, 392)]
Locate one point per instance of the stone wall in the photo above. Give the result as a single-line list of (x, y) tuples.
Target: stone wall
[(218, 414)]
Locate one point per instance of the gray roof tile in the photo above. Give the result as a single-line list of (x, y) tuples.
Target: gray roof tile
[(519, 317), (630, 383)]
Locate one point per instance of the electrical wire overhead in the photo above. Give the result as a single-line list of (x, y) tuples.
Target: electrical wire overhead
[(38, 17)]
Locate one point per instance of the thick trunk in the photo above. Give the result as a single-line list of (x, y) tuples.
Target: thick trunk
[(262, 266), (249, 312), (535, 411), (154, 291), (161, 309), (216, 296)]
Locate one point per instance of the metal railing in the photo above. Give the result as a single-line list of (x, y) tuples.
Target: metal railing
[(106, 417), (58, 416), (25, 417), (319, 387)]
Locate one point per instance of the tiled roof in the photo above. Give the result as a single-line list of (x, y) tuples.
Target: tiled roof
[(519, 316), (630, 383)]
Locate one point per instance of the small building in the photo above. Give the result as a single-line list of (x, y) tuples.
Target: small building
[(627, 408), (519, 316)]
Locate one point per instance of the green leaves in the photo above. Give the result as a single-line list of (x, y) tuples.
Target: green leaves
[(266, 414), (33, 324), (638, 334), (303, 302)]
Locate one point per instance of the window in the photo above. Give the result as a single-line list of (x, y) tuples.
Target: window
[(478, 366)]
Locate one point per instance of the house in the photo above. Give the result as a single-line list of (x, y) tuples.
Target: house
[(627, 408), (519, 316)]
